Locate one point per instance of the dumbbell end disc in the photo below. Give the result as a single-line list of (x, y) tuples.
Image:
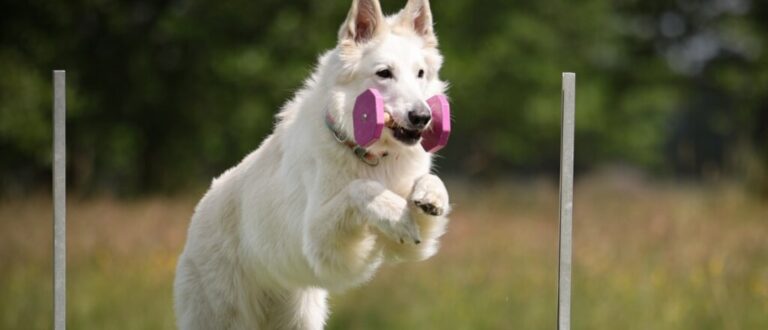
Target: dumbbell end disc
[(436, 137), (368, 117)]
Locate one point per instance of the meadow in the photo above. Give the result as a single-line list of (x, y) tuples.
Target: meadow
[(661, 255)]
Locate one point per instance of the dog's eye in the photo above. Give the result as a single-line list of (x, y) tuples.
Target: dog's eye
[(384, 73), (421, 73)]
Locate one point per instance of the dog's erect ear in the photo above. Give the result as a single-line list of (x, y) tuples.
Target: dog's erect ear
[(418, 15), (363, 22)]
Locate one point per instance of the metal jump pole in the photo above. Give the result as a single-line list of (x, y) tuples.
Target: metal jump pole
[(568, 121), (59, 201)]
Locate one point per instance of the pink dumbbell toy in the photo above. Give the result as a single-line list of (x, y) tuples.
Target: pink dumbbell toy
[(370, 119)]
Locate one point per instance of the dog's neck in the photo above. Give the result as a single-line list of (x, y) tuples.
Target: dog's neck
[(364, 155)]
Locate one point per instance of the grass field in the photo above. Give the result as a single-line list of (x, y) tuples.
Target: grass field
[(647, 256)]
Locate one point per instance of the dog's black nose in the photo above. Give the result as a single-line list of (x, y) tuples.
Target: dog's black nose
[(419, 118)]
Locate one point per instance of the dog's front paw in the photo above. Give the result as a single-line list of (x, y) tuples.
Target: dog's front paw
[(391, 217), (386, 211), (429, 195), (403, 230)]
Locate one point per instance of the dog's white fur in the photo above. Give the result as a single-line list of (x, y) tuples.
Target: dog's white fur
[(303, 215)]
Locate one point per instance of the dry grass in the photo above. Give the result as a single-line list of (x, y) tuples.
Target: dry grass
[(647, 256)]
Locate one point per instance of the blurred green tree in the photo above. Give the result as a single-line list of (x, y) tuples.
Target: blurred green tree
[(166, 94)]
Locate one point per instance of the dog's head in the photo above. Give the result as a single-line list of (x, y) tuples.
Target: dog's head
[(398, 56)]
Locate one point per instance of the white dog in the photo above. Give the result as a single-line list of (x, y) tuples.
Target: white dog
[(304, 214)]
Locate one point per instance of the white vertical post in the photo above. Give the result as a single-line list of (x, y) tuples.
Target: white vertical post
[(59, 201), (568, 122)]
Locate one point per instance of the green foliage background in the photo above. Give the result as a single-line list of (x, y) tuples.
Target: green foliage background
[(165, 94)]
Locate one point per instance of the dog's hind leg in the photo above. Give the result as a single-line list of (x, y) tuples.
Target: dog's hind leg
[(194, 306), (303, 309)]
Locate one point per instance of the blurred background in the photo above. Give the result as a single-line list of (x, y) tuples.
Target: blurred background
[(671, 204)]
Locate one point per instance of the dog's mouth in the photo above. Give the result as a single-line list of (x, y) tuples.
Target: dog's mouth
[(404, 135)]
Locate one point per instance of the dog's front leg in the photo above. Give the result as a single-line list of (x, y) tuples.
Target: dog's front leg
[(429, 205), (338, 241)]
